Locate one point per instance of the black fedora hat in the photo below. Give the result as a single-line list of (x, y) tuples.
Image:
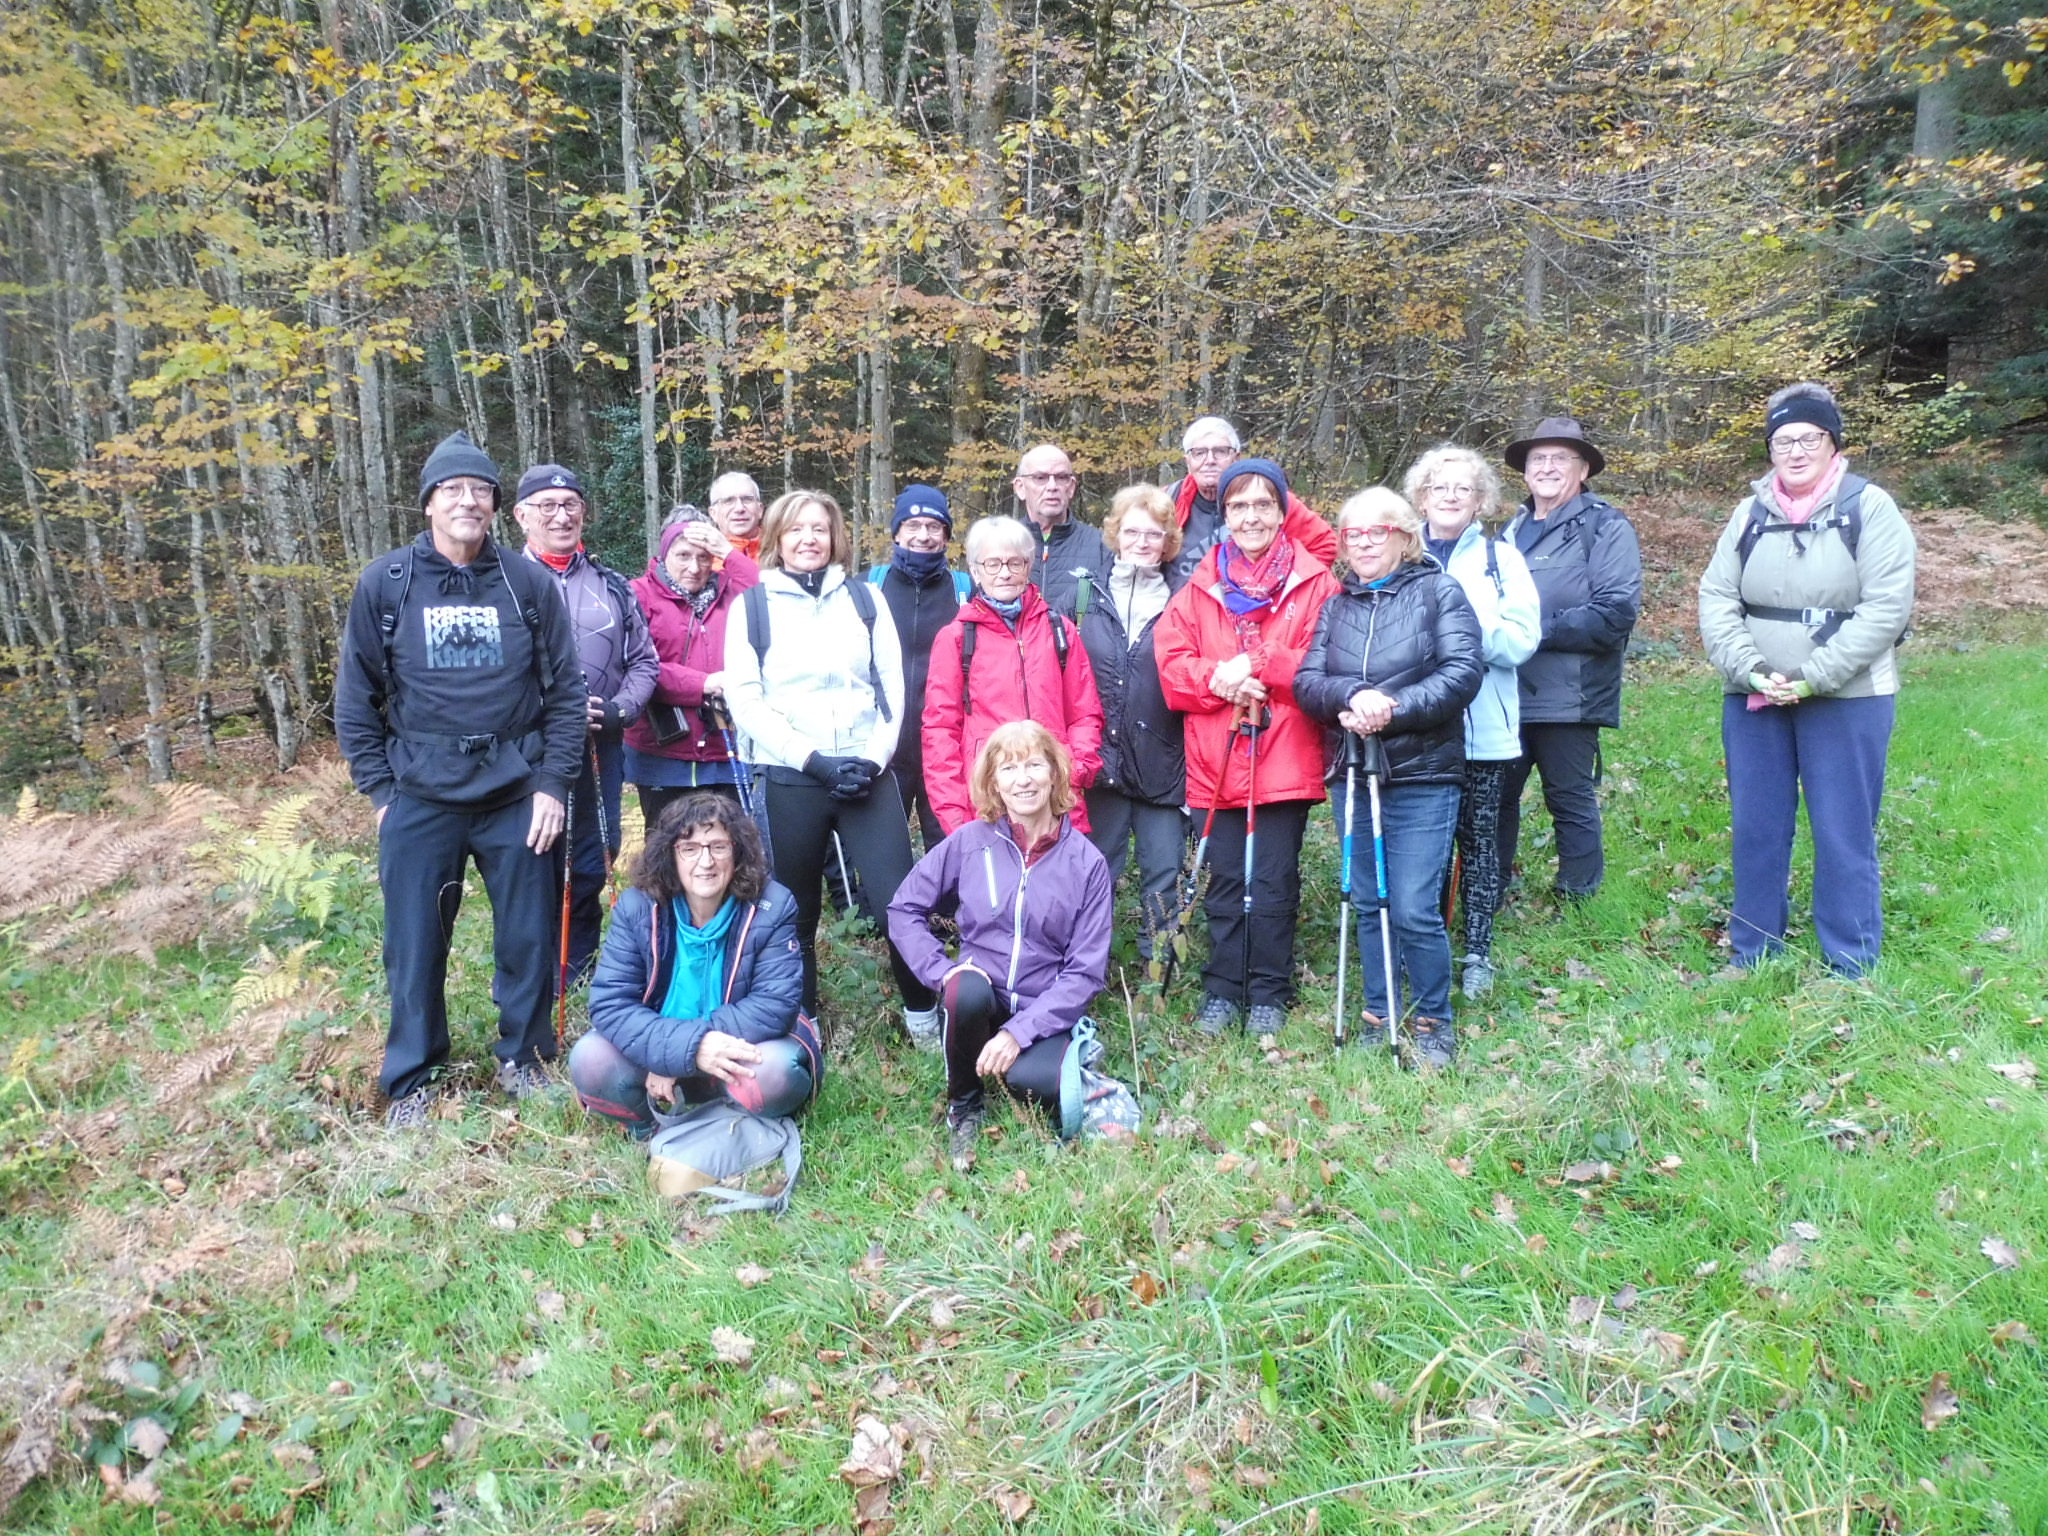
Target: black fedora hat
[(1557, 429)]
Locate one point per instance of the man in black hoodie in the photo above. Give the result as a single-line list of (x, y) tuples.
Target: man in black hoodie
[(459, 704)]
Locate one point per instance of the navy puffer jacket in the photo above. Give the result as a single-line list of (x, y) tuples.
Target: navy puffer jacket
[(763, 986), (1416, 640)]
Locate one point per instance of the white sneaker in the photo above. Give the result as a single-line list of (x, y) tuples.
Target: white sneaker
[(922, 1025)]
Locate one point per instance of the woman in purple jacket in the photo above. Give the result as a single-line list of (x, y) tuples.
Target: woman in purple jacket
[(676, 745), (1034, 916)]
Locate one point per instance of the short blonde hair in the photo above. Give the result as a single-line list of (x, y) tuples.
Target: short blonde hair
[(1155, 504), (1424, 471), (1382, 504), (779, 516), (1014, 742)]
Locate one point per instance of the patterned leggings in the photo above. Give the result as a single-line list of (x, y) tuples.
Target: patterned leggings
[(1479, 847)]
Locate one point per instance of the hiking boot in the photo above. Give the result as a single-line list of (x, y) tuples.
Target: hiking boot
[(963, 1136), (411, 1111), (522, 1080), (1371, 1034), (1217, 1015), (922, 1025), (1265, 1019), (1478, 975), (1436, 1042)]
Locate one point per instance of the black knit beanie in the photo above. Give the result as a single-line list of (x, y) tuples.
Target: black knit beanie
[(456, 455), (1810, 410)]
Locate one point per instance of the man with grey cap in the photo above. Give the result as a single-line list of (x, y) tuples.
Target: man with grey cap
[(1588, 570), (459, 705), (619, 673)]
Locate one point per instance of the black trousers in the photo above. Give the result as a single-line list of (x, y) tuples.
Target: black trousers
[(593, 842), (1276, 902), (421, 853), (656, 798), (802, 818), (972, 1013), (917, 805), (1568, 757)]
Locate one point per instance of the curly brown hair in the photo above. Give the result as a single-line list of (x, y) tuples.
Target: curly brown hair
[(654, 871)]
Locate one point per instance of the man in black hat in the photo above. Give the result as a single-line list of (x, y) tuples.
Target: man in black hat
[(619, 673), (459, 705), (1589, 575), (923, 594)]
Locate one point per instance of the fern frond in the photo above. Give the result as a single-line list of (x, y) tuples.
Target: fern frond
[(196, 1072), (26, 806)]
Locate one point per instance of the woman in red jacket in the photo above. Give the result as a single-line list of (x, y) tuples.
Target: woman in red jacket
[(1006, 656), (673, 748), (1228, 646)]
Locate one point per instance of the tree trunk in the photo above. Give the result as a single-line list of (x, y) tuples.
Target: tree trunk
[(641, 316)]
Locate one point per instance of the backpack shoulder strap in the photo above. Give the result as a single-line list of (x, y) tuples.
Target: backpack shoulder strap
[(969, 633), (1060, 638), (1849, 510), (1752, 530), (391, 595), (864, 605), (756, 600), (530, 588), (1493, 565), (963, 587)]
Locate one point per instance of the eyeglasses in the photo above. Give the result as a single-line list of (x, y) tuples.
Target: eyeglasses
[(1372, 533), (1018, 564), (1563, 459), (557, 511), (1264, 504), (1211, 451), (737, 501), (1454, 490), (1143, 535), (1060, 477), (464, 490), (696, 853), (1799, 442)]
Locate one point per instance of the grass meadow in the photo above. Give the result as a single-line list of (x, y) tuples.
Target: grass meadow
[(1663, 1254)]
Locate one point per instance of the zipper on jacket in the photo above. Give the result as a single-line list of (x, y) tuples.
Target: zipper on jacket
[(1017, 931)]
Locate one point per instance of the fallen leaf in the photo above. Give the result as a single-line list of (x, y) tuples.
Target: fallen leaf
[(1254, 1477), (2012, 1331), (1588, 1173), (1503, 1208), (1583, 1310), (1229, 1162), (1020, 1182), (872, 1264), (2023, 1071), (139, 1489), (575, 1237), (877, 1454), (1014, 1505), (1536, 1242), (1997, 1106), (552, 1305), (871, 1510), (2000, 1252), (759, 1449), (1939, 1402), (731, 1347), (1258, 1128), (1062, 1244), (1999, 935), (942, 1313), (751, 1275), (1670, 1164), (1777, 1264), (1625, 1298), (1671, 1346), (1701, 1271), (1806, 1231), (1461, 1166), (1145, 1287), (147, 1437)]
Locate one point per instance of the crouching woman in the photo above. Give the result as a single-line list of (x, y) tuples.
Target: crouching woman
[(1034, 917), (698, 992)]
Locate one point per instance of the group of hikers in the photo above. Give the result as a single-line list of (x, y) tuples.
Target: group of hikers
[(1186, 681)]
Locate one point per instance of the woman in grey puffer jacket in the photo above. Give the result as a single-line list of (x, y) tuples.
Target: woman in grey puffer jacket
[(1808, 592)]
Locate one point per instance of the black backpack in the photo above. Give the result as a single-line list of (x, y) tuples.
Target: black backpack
[(863, 596), (397, 586)]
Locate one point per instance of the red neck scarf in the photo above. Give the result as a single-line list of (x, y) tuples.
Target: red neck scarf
[(556, 562)]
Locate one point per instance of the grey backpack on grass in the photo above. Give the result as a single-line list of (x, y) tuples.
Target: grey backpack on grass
[(698, 1151)]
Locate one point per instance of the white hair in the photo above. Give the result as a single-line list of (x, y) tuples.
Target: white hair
[(1443, 456), (732, 482), (998, 530), (1201, 426)]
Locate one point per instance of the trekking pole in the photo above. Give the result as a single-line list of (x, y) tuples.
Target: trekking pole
[(1344, 917), (845, 880), (562, 978), (604, 831), (1374, 762), (714, 710), (1251, 842), (1451, 886), (1192, 883)]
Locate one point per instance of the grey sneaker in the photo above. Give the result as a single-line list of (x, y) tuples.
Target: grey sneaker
[(1217, 1015), (526, 1080), (1478, 975), (922, 1025), (1265, 1019), (963, 1137), (1436, 1043), (1371, 1033), (411, 1111)]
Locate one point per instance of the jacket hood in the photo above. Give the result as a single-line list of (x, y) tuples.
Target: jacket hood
[(1399, 577), (450, 578)]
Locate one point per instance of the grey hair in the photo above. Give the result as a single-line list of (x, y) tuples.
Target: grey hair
[(688, 512), (1211, 424), (1424, 470), (732, 479), (988, 530), (1804, 390), (1383, 504)]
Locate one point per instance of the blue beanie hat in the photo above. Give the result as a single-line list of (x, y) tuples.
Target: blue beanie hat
[(547, 477), (456, 455), (1265, 469), (920, 501)]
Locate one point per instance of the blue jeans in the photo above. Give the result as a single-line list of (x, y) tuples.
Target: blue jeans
[(1833, 750), (1418, 824)]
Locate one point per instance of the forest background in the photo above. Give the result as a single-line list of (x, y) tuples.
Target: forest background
[(256, 258)]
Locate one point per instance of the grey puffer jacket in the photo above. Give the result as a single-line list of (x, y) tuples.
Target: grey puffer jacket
[(1415, 639), (1810, 567), (1588, 570)]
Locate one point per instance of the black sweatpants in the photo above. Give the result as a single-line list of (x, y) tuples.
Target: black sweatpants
[(593, 843), (1276, 902), (801, 820), (972, 1012), (1568, 757), (421, 852)]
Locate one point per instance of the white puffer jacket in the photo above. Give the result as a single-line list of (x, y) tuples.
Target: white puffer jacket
[(815, 693), (1510, 627)]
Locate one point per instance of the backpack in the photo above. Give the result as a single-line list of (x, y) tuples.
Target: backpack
[(963, 584), (695, 1152), (1091, 1101), (1846, 515), (397, 586), (756, 599), (968, 632)]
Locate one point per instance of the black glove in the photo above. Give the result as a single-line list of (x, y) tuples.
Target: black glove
[(849, 778)]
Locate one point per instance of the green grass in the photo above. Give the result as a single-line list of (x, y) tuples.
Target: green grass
[(1317, 1295)]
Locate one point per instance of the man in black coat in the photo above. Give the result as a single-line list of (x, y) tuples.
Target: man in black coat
[(460, 706), (1047, 488), (923, 594)]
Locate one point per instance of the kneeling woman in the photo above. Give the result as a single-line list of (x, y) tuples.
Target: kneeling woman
[(698, 992), (1034, 916)]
